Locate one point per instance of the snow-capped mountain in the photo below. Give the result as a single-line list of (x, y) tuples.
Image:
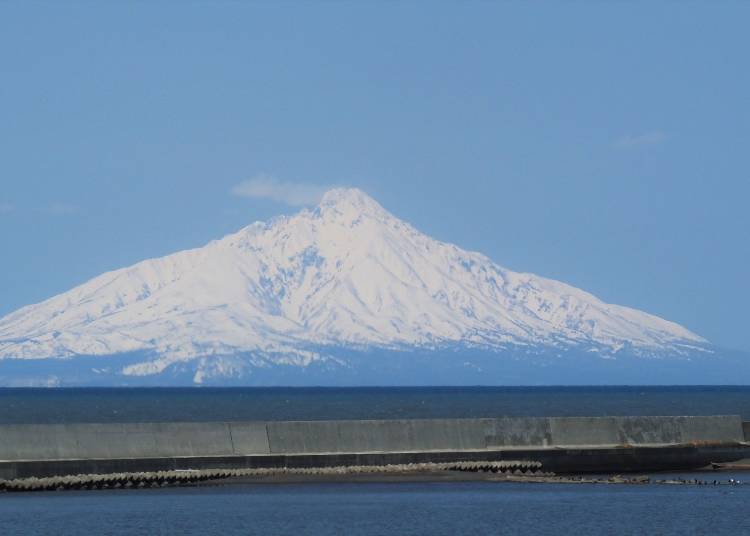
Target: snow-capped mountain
[(303, 290)]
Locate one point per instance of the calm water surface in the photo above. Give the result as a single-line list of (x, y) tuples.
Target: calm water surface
[(193, 404), (375, 509)]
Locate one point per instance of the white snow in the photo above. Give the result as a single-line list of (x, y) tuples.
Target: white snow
[(345, 274)]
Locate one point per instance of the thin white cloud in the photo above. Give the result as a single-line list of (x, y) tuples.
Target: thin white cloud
[(61, 209), (6, 208), (655, 137), (291, 193)]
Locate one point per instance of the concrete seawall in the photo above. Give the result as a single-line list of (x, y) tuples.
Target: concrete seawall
[(561, 443)]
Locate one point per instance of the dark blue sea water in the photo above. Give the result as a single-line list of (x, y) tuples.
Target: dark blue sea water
[(240, 404), (368, 508), (374, 509)]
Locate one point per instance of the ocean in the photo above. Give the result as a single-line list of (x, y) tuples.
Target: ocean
[(369, 509), (374, 508), (42, 405)]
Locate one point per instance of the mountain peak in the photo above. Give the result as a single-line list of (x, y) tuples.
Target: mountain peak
[(351, 202)]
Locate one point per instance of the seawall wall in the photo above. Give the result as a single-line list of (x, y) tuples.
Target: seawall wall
[(144, 440), (375, 441)]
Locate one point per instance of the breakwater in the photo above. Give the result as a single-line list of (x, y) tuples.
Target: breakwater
[(176, 478), (560, 444)]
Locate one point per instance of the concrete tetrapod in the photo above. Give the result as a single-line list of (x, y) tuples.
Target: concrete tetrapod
[(169, 478)]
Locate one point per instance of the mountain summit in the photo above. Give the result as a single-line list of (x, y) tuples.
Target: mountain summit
[(306, 292)]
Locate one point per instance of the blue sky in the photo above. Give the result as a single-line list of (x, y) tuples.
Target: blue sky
[(605, 145)]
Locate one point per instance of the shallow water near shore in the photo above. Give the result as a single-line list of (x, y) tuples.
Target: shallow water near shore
[(251, 404), (383, 508)]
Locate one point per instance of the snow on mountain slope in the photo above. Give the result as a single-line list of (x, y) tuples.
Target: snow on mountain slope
[(345, 274)]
